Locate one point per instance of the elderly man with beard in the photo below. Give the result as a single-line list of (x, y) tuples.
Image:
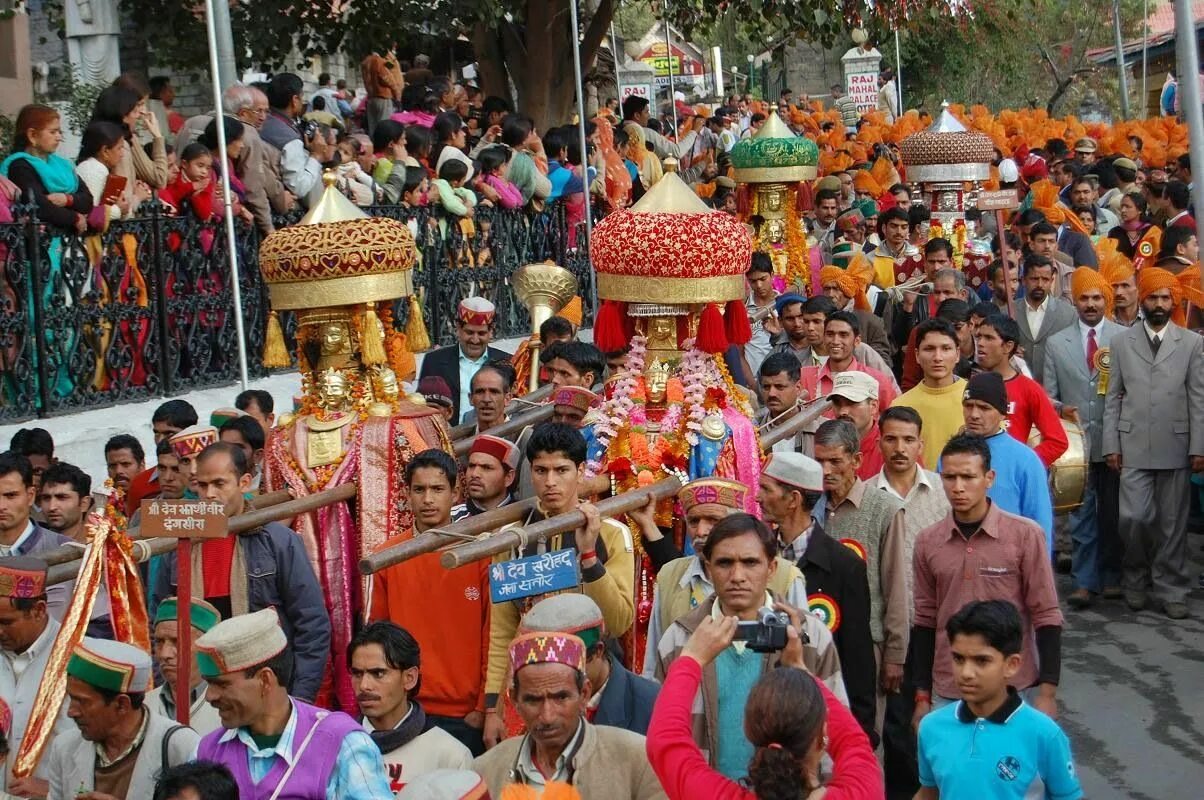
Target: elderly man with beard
[(386, 673), (1077, 386), (456, 637), (1153, 436)]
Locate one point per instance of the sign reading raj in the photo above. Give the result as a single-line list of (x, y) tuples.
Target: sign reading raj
[(183, 519), (533, 575)]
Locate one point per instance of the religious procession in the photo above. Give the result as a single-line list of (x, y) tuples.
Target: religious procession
[(653, 439)]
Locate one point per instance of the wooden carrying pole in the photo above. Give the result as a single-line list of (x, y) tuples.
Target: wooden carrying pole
[(432, 540), (515, 406), (520, 537), (608, 507), (144, 549), (805, 416), (73, 552), (509, 429)]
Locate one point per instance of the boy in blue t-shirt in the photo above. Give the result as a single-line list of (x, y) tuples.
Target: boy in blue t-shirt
[(991, 744)]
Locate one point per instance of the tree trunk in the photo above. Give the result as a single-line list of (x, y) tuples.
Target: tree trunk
[(538, 58)]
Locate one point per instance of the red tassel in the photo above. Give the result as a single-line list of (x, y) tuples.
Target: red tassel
[(711, 338), (803, 198), (743, 202), (609, 334), (735, 323)]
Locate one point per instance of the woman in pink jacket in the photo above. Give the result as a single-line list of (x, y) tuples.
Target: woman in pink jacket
[(790, 718)]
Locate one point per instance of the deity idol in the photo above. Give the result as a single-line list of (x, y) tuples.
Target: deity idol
[(665, 269), (353, 424)]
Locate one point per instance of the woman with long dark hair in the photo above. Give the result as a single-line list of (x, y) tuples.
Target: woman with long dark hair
[(790, 718), (123, 106), (450, 142), (65, 204)]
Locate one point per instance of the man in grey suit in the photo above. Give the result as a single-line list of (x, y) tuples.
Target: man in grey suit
[(1042, 314), (1075, 383), (1154, 436)]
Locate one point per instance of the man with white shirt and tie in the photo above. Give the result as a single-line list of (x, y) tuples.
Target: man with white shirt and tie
[(1042, 313), (1154, 437), (1076, 379)]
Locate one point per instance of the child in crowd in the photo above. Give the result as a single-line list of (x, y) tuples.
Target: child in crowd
[(388, 144), (101, 149), (991, 743), (492, 183), (355, 184)]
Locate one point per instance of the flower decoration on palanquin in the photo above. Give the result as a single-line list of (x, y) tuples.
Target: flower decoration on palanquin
[(671, 249)]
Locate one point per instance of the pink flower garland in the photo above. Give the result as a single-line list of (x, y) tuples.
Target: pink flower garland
[(696, 369), (621, 407)]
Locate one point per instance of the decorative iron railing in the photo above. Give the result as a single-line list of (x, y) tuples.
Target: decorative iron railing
[(146, 308)]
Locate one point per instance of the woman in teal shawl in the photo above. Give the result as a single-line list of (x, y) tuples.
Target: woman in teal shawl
[(63, 203)]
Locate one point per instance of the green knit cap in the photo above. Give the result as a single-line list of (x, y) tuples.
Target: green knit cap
[(203, 615)]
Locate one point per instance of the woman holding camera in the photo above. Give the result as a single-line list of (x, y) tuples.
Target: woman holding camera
[(790, 718)]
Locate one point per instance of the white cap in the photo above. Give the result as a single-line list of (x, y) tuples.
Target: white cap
[(1008, 171), (854, 386), (795, 469)]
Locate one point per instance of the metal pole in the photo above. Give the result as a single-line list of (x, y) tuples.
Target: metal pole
[(1145, 46), (227, 68), (1120, 60), (1187, 57), (183, 685), (669, 63), (898, 78), (614, 51), (589, 224), (227, 194)]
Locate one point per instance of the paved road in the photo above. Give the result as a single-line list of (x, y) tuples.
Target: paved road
[(1132, 700)]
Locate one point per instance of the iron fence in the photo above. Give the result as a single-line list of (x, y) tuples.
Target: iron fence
[(146, 308)]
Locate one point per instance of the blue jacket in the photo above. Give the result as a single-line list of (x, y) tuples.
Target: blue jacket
[(627, 700), (1021, 483), (279, 576)]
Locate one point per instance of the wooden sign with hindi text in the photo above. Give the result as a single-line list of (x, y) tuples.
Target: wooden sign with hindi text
[(1002, 200), (183, 519)]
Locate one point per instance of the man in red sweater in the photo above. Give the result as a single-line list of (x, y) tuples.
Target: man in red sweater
[(168, 420), (447, 611), (1028, 405)]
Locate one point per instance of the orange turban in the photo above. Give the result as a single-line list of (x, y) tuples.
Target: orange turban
[(572, 311), (1045, 199), (852, 281), (1184, 286), (1112, 263), (863, 181), (1085, 278)]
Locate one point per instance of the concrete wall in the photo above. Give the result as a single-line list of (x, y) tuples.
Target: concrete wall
[(16, 78)]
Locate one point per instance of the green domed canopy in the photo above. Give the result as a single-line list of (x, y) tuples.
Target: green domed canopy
[(775, 155)]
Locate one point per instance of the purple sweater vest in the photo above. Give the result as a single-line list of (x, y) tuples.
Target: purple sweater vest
[(309, 779)]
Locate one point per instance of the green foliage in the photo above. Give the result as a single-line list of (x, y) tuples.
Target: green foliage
[(79, 96), (8, 129), (1014, 54)]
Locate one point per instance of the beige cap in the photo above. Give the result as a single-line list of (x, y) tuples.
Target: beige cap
[(854, 386)]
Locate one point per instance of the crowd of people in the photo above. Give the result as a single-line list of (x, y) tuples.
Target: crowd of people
[(888, 624)]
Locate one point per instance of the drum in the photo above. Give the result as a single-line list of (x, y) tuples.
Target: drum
[(1068, 475)]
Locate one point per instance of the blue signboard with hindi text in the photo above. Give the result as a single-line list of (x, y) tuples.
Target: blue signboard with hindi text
[(533, 575)]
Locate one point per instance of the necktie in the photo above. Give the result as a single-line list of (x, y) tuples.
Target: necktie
[(1092, 347), (1155, 343)]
